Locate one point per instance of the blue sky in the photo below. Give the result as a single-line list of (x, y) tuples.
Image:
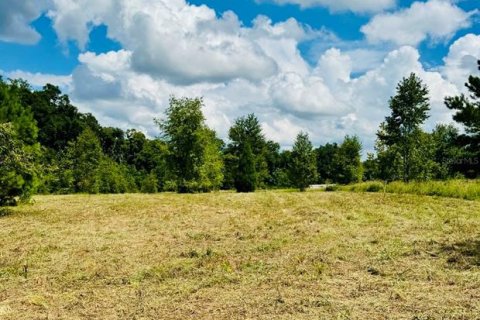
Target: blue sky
[(323, 66)]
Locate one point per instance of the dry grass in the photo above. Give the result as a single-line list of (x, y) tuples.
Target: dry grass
[(269, 255)]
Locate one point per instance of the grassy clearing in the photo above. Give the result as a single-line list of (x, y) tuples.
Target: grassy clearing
[(269, 255), (463, 189)]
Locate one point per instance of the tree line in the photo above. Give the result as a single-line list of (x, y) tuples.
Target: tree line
[(47, 146)]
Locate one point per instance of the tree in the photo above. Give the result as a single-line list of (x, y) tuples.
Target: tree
[(211, 170), (447, 153), (12, 111), (17, 169), (325, 162), (59, 122), (190, 145), (303, 169), (84, 157), (347, 161), (246, 175), (114, 143), (399, 134), (468, 114), (370, 168), (247, 131)]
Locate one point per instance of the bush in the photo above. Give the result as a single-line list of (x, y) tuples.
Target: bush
[(332, 188), (375, 187), (170, 186), (150, 184), (114, 178)]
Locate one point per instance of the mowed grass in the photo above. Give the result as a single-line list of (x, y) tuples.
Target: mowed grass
[(268, 255)]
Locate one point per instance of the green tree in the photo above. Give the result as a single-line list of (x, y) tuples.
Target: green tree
[(467, 113), (59, 122), (400, 133), (246, 175), (347, 161), (17, 169), (325, 162), (303, 169), (12, 111), (247, 130), (211, 170), (190, 145), (84, 157), (370, 168), (448, 154)]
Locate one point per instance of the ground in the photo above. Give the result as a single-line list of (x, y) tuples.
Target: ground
[(268, 255)]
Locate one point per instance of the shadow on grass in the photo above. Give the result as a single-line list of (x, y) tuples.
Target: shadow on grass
[(5, 212), (464, 254)]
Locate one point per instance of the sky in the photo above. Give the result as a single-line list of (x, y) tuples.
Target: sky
[(326, 67)]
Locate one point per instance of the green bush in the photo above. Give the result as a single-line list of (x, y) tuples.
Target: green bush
[(150, 183), (332, 188)]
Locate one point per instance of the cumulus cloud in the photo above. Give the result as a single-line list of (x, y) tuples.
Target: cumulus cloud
[(170, 39), (15, 20), (436, 20), (174, 48), (110, 87), (341, 5), (461, 60)]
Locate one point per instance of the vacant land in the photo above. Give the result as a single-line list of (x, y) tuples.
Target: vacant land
[(269, 255)]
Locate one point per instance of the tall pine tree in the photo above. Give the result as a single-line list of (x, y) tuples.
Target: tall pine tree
[(468, 114)]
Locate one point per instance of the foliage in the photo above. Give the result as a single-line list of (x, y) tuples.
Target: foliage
[(84, 157), (400, 133), (150, 183), (112, 177), (347, 161), (467, 113), (191, 144), (12, 111), (246, 175), (325, 162), (303, 170), (247, 131), (17, 170)]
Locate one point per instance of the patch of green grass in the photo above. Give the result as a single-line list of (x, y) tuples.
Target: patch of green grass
[(463, 189), (267, 255)]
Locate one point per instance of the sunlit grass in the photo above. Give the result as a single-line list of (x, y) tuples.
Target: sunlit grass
[(268, 255), (463, 189)]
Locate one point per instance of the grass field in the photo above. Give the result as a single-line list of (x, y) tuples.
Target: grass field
[(268, 255)]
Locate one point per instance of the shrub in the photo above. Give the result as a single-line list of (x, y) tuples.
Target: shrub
[(150, 183)]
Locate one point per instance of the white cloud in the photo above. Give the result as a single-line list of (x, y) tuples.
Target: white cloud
[(286, 103), (40, 79), (174, 48), (436, 20), (461, 60), (169, 39), (15, 19), (341, 5)]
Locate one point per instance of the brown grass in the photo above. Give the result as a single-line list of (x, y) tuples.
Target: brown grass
[(269, 255)]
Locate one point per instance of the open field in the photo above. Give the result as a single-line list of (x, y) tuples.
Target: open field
[(268, 255)]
